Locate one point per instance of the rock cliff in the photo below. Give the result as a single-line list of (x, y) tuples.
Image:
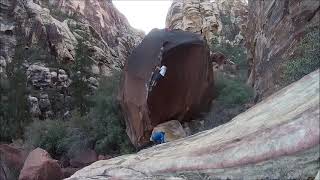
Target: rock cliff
[(222, 19), (274, 31), (45, 35), (277, 139)]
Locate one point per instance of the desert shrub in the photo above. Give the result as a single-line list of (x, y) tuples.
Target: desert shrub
[(107, 119), (101, 129), (232, 91), (13, 98), (230, 30), (78, 136), (48, 135), (307, 61), (234, 53), (79, 72), (57, 137)]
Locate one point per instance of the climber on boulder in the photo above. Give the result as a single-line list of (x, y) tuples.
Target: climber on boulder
[(161, 72)]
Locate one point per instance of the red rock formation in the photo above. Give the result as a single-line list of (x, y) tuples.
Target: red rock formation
[(274, 30), (106, 21), (40, 166)]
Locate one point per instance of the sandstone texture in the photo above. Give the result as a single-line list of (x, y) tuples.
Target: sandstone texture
[(277, 139), (219, 19)]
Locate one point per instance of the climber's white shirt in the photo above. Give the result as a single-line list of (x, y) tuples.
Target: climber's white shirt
[(163, 70)]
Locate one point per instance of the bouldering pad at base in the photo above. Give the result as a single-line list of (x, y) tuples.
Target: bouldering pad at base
[(173, 130)]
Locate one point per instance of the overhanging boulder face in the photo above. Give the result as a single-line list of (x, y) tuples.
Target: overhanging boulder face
[(276, 139), (186, 87)]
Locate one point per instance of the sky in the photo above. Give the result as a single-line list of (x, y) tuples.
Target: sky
[(144, 14)]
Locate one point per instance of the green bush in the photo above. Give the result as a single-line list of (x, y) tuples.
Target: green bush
[(14, 113), (79, 72), (307, 61), (101, 129), (233, 92), (48, 135), (234, 53), (107, 119)]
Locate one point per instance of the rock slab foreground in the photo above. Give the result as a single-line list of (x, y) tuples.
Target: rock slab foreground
[(277, 138)]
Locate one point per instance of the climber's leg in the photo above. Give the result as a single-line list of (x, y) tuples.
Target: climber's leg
[(156, 78)]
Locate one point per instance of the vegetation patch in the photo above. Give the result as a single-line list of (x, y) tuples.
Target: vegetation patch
[(14, 113), (232, 92), (233, 95), (101, 129), (308, 59)]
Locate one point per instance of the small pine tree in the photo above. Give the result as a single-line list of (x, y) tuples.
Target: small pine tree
[(14, 114), (80, 71)]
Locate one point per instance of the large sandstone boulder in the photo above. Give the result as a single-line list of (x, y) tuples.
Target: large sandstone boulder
[(184, 91), (276, 139), (40, 166), (274, 31)]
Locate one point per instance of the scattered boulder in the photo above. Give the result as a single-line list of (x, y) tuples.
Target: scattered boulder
[(11, 160), (84, 158), (218, 58), (173, 130), (44, 102), (12, 156), (39, 76), (34, 106), (40, 166)]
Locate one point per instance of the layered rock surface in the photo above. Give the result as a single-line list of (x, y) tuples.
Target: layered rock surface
[(278, 138), (274, 31), (48, 33), (219, 19)]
